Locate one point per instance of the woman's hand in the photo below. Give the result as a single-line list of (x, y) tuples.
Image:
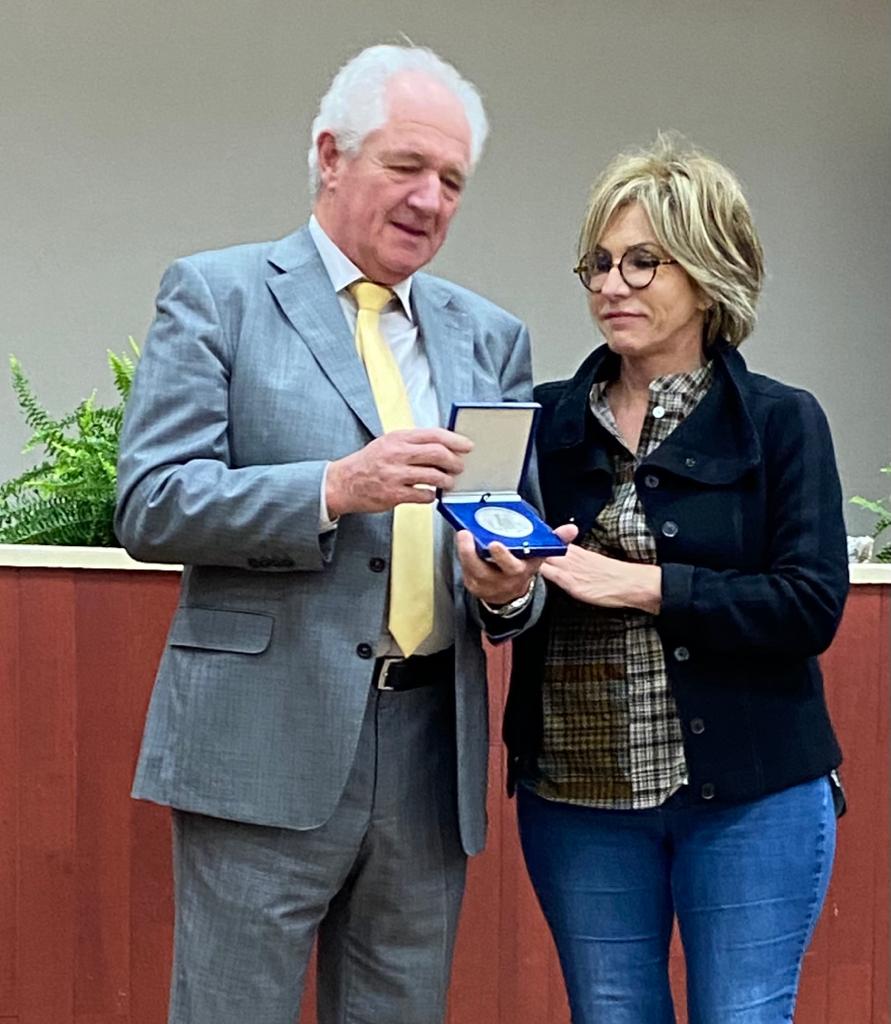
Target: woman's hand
[(606, 582), (503, 577)]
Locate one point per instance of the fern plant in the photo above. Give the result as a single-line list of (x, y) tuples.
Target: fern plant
[(881, 509), (69, 497)]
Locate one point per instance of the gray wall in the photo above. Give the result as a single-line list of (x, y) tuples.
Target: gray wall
[(134, 132)]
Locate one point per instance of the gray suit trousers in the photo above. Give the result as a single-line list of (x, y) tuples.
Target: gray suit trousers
[(380, 884)]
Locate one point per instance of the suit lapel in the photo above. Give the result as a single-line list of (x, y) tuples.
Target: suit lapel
[(304, 294), (303, 291), (448, 343)]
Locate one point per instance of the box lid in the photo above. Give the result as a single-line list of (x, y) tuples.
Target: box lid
[(502, 434)]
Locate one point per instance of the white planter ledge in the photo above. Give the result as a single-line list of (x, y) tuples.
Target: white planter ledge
[(871, 572), (50, 556), (59, 556)]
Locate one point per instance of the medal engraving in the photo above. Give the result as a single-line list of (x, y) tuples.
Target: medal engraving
[(504, 521)]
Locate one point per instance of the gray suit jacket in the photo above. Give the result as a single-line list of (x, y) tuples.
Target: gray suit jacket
[(248, 384)]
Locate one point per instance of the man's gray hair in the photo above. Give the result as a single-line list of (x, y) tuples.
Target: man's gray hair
[(355, 103)]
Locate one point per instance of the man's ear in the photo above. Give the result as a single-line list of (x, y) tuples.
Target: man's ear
[(330, 159)]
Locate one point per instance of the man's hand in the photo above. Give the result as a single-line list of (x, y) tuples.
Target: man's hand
[(387, 471), (503, 577), (606, 582)]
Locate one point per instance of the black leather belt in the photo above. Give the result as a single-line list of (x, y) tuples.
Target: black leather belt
[(418, 670)]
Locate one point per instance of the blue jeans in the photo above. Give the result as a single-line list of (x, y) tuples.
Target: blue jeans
[(747, 883)]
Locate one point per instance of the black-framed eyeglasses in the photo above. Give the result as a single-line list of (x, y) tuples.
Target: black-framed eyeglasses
[(637, 266)]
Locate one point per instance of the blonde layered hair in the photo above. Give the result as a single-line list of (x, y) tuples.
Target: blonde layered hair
[(699, 216)]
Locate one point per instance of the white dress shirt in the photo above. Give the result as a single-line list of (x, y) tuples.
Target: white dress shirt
[(401, 333)]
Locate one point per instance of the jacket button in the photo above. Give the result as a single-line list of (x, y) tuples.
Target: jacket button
[(651, 481), (658, 411), (669, 528), (708, 791), (364, 650), (377, 564), (697, 726), (681, 654), (689, 462)]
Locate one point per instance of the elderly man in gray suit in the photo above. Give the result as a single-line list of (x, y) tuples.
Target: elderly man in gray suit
[(326, 767)]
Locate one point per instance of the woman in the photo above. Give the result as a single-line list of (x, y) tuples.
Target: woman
[(666, 723)]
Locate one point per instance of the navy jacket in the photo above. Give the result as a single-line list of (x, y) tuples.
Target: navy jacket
[(743, 500)]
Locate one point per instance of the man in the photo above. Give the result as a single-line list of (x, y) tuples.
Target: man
[(321, 737)]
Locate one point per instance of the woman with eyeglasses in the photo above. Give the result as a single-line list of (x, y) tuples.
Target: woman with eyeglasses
[(667, 730)]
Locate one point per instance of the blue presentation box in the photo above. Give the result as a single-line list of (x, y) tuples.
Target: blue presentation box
[(486, 500)]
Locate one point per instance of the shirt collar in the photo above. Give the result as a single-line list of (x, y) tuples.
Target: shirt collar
[(689, 384), (343, 272)]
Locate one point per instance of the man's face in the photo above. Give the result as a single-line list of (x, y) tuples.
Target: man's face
[(388, 207)]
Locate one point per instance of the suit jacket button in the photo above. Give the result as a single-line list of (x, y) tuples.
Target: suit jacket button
[(364, 651), (669, 528), (377, 564), (651, 480), (689, 462), (697, 726), (708, 791), (681, 654)]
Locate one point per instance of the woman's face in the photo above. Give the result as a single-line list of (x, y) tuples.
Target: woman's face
[(663, 321)]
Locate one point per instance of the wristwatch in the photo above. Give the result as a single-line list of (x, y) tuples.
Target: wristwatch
[(519, 604)]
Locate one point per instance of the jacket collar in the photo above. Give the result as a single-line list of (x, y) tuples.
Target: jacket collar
[(446, 332), (303, 290), (304, 293), (715, 444)]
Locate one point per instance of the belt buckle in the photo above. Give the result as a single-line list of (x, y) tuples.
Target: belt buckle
[(386, 663)]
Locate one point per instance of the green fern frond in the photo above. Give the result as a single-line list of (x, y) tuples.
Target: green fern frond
[(876, 507), (70, 497), (31, 478), (108, 419), (881, 509), (44, 427), (58, 521), (123, 368)]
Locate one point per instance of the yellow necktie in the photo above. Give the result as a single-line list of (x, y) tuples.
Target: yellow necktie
[(411, 556)]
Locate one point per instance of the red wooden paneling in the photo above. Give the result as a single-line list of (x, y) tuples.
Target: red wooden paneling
[(144, 615), (104, 751), (847, 931), (9, 787), (47, 788), (85, 887), (880, 823)]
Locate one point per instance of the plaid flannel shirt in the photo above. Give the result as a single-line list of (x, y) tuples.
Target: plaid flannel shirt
[(612, 737)]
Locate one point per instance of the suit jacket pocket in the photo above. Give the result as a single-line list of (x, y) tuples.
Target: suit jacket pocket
[(219, 629)]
